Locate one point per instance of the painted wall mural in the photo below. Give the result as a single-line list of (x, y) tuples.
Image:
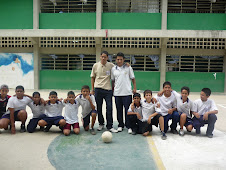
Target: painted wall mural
[(17, 69)]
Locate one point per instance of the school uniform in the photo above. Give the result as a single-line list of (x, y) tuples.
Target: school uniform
[(3, 104), (184, 107), (122, 77), (71, 115), (201, 107), (135, 123), (86, 108), (17, 105), (167, 103), (38, 114)]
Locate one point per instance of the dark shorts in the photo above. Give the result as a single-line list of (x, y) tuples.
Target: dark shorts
[(148, 127), (53, 120), (68, 126), (188, 122), (7, 116), (86, 120)]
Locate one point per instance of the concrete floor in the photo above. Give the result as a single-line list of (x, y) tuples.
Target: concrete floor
[(29, 151)]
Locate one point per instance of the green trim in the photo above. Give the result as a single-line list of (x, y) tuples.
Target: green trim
[(196, 81), (196, 21), (131, 20), (16, 14), (67, 20)]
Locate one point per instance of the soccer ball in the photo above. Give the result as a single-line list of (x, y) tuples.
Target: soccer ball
[(106, 137)]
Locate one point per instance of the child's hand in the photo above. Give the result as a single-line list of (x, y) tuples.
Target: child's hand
[(42, 101), (205, 116), (170, 111), (149, 119), (66, 100), (160, 93), (139, 116), (132, 106), (13, 130), (196, 115), (158, 105), (154, 100), (88, 97)]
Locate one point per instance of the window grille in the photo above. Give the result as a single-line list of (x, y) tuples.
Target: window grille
[(195, 63), (67, 6), (196, 6), (67, 62), (196, 43), (130, 42), (67, 42), (142, 6), (15, 42)]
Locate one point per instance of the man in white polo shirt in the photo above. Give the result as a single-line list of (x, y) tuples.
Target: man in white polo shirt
[(121, 76), (100, 80)]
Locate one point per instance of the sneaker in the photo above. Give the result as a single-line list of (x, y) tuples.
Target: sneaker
[(209, 136), (174, 131), (134, 132), (120, 129), (22, 128), (130, 131), (113, 130), (100, 127), (198, 131), (181, 132), (47, 128), (92, 131), (163, 136)]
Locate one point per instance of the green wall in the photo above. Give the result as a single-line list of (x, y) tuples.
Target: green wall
[(196, 81), (131, 20), (60, 79), (196, 21), (67, 20), (16, 14)]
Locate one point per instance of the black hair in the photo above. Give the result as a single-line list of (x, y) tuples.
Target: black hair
[(85, 87), (120, 54), (104, 52), (36, 93), (207, 91), (147, 91), (53, 93), (4, 86), (185, 88), (20, 87), (70, 93), (136, 95), (166, 83)]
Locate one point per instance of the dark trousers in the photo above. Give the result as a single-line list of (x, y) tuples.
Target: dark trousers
[(199, 122), (101, 94), (33, 123), (135, 124), (121, 101), (175, 119)]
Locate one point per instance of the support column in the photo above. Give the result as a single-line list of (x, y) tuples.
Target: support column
[(163, 62), (225, 71), (99, 10), (164, 7), (36, 9), (36, 54), (98, 48)]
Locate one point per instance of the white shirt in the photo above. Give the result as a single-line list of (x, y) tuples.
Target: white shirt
[(18, 104), (86, 107), (148, 109), (37, 110), (166, 103), (71, 112), (136, 110), (183, 107), (202, 107), (122, 77), (53, 110)]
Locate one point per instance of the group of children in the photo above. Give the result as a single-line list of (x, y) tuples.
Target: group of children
[(142, 114)]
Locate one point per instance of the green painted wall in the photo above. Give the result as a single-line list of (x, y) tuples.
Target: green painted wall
[(196, 21), (59, 79), (131, 20), (67, 20), (16, 14), (196, 81)]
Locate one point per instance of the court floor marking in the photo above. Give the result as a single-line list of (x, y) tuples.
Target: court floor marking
[(222, 105), (155, 153)]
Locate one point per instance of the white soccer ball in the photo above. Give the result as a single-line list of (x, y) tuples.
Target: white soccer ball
[(107, 137)]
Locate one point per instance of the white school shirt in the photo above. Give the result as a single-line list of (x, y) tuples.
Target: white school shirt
[(148, 109), (71, 112), (18, 104), (53, 110), (136, 110), (86, 107), (122, 77), (166, 103), (185, 107), (202, 107), (37, 110)]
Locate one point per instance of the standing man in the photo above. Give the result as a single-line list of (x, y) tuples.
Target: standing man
[(121, 76), (100, 80)]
